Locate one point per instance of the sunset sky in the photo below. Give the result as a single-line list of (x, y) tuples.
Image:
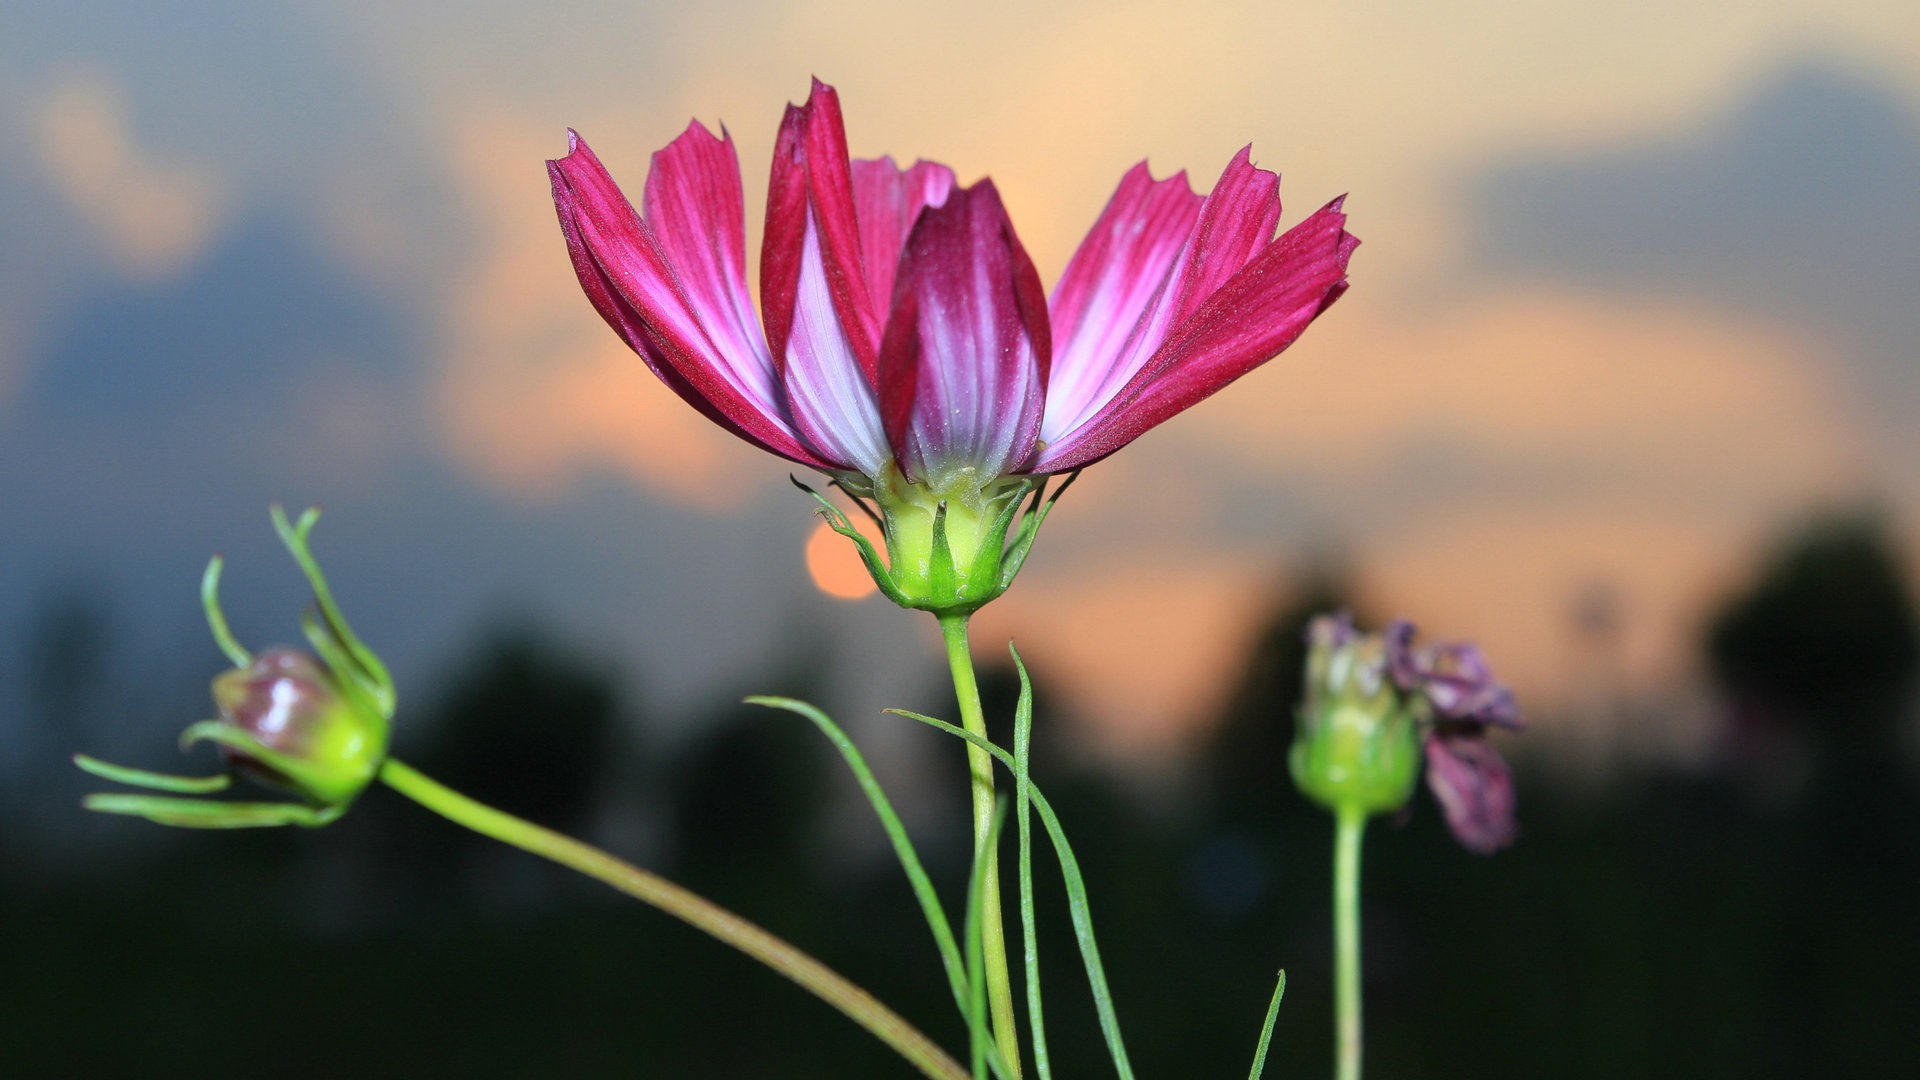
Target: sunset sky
[(1639, 287)]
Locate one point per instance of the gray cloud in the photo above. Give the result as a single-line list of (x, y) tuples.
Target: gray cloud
[(1798, 205)]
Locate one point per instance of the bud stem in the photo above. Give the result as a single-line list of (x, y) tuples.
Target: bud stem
[(993, 937), (698, 912), (1350, 825)]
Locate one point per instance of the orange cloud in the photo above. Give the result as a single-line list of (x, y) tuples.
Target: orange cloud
[(1679, 398), (152, 215)]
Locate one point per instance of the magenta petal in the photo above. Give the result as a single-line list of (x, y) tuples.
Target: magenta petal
[(1474, 789), (630, 283), (1115, 276), (698, 217), (888, 199), (784, 235), (828, 394), (1236, 224), (812, 187), (963, 365), (1233, 225), (1248, 321)]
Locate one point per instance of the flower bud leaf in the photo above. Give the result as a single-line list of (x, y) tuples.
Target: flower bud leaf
[(365, 667), (330, 652), (217, 619), (121, 774), (211, 814)]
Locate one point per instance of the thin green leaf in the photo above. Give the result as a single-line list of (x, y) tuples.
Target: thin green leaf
[(1022, 791), (217, 619), (183, 785), (1076, 893), (896, 834), (979, 1028), (903, 848), (1266, 1030)]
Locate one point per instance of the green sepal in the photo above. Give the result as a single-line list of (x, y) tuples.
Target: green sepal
[(1016, 555), (212, 814), (183, 785), (990, 560), (942, 582), (365, 668), (838, 522)]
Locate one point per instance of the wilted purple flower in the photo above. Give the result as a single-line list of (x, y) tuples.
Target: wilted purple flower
[(1474, 788), (1445, 695)]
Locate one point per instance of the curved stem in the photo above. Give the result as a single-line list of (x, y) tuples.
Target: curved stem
[(1351, 825), (696, 911), (993, 936)]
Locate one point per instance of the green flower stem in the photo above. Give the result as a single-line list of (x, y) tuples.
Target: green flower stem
[(1350, 826), (698, 912), (993, 936)]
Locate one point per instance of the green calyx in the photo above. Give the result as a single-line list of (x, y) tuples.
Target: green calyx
[(315, 725), (1356, 746), (951, 548)]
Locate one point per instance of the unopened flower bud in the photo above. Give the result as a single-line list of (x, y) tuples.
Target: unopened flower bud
[(283, 719), (315, 726)]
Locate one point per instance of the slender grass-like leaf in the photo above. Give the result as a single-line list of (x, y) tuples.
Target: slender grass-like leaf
[(976, 950), (1266, 1031), (1076, 893), (1022, 791), (903, 849)]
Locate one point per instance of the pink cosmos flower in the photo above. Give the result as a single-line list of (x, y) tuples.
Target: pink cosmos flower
[(904, 344), (902, 322)]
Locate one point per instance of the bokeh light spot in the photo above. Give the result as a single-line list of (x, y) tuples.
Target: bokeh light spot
[(835, 566)]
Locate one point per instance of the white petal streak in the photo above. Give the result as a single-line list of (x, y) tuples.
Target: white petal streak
[(832, 404)]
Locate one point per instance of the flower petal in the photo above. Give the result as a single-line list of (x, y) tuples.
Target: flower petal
[(963, 366), (812, 188), (1115, 276), (1234, 224), (698, 216), (888, 199), (629, 282), (829, 398), (1474, 789), (1248, 321)]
